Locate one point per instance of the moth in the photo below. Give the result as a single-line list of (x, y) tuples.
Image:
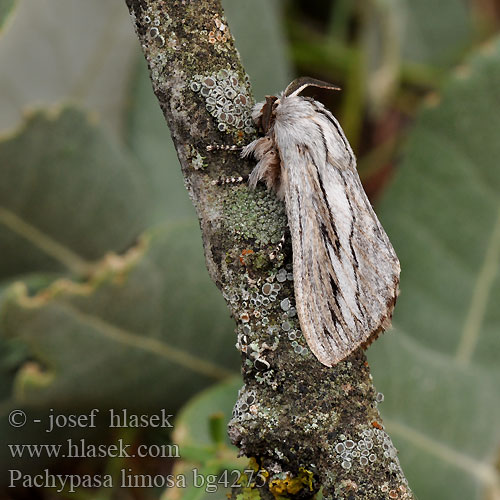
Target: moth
[(346, 272)]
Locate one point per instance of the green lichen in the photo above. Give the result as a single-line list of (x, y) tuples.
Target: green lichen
[(256, 215), (260, 261)]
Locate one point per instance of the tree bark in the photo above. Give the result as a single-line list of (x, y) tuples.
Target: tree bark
[(307, 426)]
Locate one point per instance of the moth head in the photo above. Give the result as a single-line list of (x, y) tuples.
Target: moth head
[(263, 114)]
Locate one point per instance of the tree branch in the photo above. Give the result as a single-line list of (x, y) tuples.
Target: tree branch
[(307, 426)]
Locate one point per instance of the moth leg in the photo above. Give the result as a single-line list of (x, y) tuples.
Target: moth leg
[(279, 247), (268, 163), (227, 180), (230, 180), (223, 147), (257, 147)]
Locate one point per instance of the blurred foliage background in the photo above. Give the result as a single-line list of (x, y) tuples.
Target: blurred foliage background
[(104, 297)]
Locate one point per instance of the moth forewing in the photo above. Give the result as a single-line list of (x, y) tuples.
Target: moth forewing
[(346, 272)]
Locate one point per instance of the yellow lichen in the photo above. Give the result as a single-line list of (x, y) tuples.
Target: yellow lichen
[(281, 488)]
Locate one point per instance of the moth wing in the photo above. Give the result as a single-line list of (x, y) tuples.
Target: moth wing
[(346, 272)]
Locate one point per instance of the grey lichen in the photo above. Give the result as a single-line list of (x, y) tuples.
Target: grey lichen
[(197, 160), (293, 412), (226, 100), (266, 318)]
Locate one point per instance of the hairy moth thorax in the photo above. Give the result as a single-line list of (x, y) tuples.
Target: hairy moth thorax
[(265, 149), (264, 112), (265, 115)]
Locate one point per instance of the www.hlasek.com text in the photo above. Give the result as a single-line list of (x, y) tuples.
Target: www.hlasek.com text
[(80, 448)]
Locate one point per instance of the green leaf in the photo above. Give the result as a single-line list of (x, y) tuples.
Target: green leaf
[(68, 195), (6, 7), (435, 38), (405, 39), (47, 56), (134, 334), (192, 425), (199, 450), (439, 369), (149, 138), (108, 312), (413, 30)]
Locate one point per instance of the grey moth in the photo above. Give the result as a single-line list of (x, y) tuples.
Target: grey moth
[(346, 272)]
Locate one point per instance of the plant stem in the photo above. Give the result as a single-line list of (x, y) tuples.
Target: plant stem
[(293, 415)]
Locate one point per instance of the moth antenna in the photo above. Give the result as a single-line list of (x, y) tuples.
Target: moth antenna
[(299, 84)]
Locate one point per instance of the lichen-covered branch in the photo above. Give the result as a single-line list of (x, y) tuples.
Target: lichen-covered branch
[(305, 426)]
